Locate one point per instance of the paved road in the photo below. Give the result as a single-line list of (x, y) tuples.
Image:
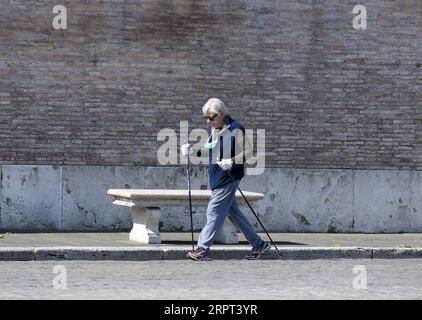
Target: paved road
[(230, 279)]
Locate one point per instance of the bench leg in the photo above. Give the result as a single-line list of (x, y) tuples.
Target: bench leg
[(145, 225), (227, 234)]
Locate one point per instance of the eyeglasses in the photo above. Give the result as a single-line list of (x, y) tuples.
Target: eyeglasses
[(211, 118)]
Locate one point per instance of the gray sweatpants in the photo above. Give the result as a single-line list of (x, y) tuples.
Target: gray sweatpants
[(222, 203)]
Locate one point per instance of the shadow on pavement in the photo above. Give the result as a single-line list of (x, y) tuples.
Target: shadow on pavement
[(283, 243)]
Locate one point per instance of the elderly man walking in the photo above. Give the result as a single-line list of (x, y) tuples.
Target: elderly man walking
[(226, 154)]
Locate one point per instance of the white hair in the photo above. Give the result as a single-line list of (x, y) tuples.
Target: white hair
[(215, 105)]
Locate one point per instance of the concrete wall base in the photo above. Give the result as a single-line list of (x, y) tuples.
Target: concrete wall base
[(74, 198)]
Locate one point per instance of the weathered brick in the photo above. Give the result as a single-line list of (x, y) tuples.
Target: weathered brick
[(99, 92)]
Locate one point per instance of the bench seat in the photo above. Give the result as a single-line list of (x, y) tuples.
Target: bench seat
[(146, 210)]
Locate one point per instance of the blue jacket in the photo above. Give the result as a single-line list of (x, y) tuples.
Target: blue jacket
[(226, 149)]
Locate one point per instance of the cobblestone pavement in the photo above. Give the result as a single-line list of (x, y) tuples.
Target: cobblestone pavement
[(223, 279)]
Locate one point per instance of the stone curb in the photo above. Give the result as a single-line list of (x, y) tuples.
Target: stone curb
[(171, 253)]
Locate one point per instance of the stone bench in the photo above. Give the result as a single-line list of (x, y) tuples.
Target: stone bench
[(146, 212)]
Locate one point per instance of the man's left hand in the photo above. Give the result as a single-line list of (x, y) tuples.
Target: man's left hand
[(225, 164)]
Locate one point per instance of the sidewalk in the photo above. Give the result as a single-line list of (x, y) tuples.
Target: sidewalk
[(117, 246)]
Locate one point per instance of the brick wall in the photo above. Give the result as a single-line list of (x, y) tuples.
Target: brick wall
[(329, 96)]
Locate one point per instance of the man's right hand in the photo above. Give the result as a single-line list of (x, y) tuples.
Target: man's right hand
[(186, 149)]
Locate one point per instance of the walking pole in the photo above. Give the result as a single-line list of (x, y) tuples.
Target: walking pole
[(256, 216), (190, 201)]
